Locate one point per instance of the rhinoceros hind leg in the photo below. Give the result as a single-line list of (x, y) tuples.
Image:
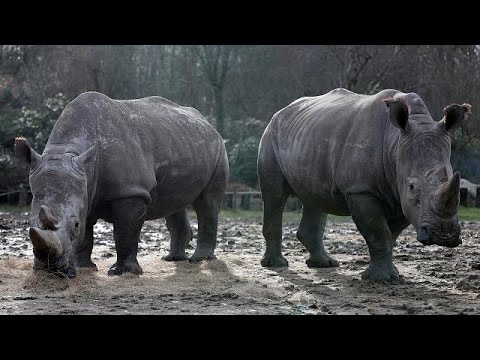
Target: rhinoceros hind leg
[(272, 229), (207, 207), (180, 235), (275, 192), (369, 216), (207, 215), (310, 233), (128, 216), (84, 249)]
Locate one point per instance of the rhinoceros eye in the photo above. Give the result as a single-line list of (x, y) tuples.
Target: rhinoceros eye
[(411, 186), (75, 226)]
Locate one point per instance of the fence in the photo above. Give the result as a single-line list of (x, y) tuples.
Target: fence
[(16, 197), (472, 200), (252, 200), (234, 200)]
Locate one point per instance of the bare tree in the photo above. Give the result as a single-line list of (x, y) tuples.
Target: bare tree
[(215, 61)]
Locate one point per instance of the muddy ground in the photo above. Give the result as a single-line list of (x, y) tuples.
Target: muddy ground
[(435, 280)]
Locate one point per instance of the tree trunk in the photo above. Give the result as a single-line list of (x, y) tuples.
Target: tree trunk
[(219, 110)]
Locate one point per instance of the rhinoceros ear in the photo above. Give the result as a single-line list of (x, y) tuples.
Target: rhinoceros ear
[(398, 112), (25, 152), (82, 159), (455, 115)]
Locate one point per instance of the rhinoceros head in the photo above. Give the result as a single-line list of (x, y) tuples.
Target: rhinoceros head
[(428, 188), (59, 206)]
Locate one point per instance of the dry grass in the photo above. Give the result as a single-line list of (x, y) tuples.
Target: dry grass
[(229, 277)]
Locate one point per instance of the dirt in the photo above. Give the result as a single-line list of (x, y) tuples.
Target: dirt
[(434, 280)]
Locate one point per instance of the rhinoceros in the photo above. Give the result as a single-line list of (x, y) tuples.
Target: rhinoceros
[(123, 161), (380, 158)]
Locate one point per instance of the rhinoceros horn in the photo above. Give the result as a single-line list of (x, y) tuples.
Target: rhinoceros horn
[(449, 195), (45, 241), (47, 219)]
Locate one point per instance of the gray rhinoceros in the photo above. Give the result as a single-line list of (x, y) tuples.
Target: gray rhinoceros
[(380, 158), (124, 161)]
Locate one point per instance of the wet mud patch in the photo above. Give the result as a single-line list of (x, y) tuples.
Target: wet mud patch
[(435, 280)]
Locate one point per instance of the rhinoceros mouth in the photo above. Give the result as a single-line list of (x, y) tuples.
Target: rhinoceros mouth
[(429, 234), (60, 269)]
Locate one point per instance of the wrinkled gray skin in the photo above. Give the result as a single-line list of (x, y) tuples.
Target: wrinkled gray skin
[(380, 158), (124, 161)]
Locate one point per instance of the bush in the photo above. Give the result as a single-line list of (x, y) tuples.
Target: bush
[(243, 161), (34, 124), (243, 137)]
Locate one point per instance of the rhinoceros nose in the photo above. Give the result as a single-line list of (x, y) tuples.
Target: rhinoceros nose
[(424, 235)]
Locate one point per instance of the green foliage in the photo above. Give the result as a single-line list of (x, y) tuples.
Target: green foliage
[(238, 84), (468, 213), (242, 148), (7, 133), (243, 161), (36, 124)]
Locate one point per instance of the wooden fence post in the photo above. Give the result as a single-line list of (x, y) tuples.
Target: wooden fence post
[(463, 196), (245, 201), (234, 199)]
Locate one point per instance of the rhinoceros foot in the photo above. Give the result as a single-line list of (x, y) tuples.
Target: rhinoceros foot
[(200, 256), (278, 261), (380, 272), (322, 261), (130, 266), (175, 257), (87, 263)]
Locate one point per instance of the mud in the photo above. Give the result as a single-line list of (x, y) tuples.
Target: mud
[(434, 280)]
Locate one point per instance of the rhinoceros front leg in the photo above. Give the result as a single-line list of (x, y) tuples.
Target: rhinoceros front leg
[(397, 225), (128, 217), (83, 253), (180, 235), (369, 216), (310, 233)]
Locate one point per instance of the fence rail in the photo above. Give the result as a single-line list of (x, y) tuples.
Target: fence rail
[(231, 199), (14, 192)]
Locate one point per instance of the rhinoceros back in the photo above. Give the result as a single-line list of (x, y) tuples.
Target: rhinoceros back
[(150, 147), (330, 145)]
